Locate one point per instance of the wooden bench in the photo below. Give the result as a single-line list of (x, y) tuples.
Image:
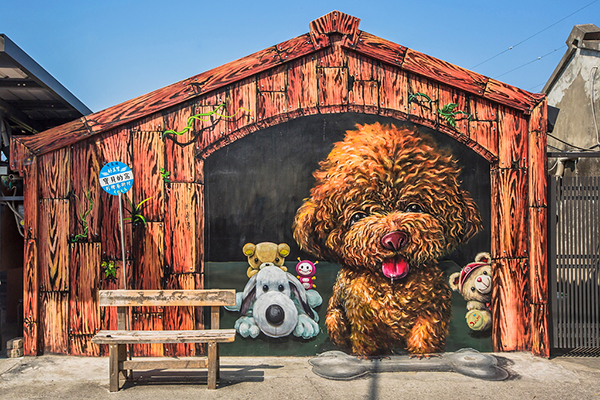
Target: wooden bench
[(122, 337)]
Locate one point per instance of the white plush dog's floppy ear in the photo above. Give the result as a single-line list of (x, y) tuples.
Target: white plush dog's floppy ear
[(248, 295), (300, 293)]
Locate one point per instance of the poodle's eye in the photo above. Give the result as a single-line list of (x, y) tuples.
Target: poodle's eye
[(280, 288), (277, 259), (265, 288), (256, 260), (472, 289), (414, 208), (357, 217), (485, 272)]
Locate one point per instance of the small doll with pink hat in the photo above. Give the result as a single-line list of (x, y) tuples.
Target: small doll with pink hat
[(474, 283)]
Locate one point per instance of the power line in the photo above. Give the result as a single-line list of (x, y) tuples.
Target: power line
[(534, 35), (532, 61)]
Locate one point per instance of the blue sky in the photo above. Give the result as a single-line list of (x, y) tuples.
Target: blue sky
[(107, 52)]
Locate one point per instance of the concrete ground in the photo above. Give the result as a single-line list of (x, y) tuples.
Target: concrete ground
[(68, 377)]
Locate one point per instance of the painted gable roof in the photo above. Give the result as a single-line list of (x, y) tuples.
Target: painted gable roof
[(321, 35)]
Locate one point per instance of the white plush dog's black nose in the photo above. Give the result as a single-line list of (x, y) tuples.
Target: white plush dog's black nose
[(275, 314)]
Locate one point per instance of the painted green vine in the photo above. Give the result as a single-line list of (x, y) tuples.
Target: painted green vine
[(83, 217), (135, 212), (448, 112), (110, 270), (165, 175), (199, 117)]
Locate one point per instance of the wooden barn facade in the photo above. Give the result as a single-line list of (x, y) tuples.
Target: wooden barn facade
[(72, 242)]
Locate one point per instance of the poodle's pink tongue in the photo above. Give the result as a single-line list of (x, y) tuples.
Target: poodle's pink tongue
[(395, 268)]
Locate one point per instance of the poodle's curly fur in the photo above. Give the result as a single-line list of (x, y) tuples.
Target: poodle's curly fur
[(386, 205)]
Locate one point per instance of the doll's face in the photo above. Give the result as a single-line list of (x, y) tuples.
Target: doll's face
[(305, 268)]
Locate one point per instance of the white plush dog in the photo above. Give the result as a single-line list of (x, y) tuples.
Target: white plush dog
[(275, 302)]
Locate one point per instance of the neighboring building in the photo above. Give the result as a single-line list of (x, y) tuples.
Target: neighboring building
[(574, 89), (31, 101)]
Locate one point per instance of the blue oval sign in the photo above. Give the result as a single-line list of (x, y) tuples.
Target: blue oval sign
[(116, 177)]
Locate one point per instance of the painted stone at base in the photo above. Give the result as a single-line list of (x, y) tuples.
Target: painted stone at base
[(338, 365), (386, 206), (474, 283), (275, 303)]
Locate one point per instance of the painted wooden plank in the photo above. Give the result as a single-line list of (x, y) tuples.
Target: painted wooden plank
[(179, 148), (335, 21), (485, 133), (420, 106), (181, 317), (538, 161), (333, 87), (168, 297), (181, 224), (380, 49), (86, 192), (393, 89), (82, 345), (274, 80), (241, 106), (84, 275), (147, 319), (458, 122), (509, 219), (199, 235), (302, 85), (20, 155), (114, 146), (511, 311), (442, 71), (540, 330), (512, 139), (30, 299), (361, 68), (149, 256), (108, 315), (538, 254), (296, 47), (54, 321), (31, 200), (212, 127), (54, 171), (54, 254), (332, 57), (483, 110), (511, 96), (57, 137), (272, 105), (148, 159)]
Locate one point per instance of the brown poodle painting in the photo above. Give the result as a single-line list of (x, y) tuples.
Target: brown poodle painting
[(386, 206)]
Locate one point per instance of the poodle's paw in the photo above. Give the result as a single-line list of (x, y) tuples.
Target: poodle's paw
[(246, 326), (306, 327)]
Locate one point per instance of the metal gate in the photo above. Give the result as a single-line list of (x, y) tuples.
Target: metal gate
[(574, 255)]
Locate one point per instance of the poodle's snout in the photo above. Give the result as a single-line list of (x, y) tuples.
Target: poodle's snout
[(395, 240), (275, 314)]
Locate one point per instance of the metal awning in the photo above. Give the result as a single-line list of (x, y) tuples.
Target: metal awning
[(31, 100)]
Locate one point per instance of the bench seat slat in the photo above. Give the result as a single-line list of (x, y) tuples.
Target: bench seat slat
[(164, 298), (191, 336)]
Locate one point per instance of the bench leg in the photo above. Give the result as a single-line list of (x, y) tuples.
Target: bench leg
[(113, 367), (213, 366)]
